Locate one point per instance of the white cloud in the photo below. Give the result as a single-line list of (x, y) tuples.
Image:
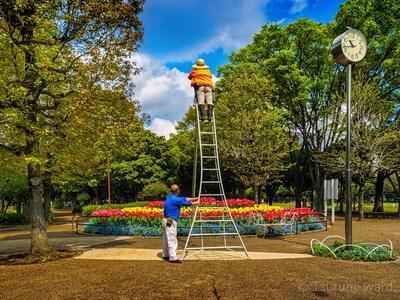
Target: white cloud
[(230, 24), (163, 93), (298, 6), (162, 127), (237, 23)]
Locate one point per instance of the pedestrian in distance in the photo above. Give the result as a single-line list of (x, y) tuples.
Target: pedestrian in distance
[(201, 80), (172, 211)]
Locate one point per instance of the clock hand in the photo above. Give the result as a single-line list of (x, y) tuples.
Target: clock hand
[(351, 43)]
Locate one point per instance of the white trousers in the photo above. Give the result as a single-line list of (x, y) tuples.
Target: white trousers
[(170, 239), (204, 95)]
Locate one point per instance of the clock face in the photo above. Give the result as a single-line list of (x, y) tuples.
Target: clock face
[(354, 45)]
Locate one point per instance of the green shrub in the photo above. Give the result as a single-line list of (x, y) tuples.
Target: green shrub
[(155, 191), (83, 197), (249, 194), (13, 189), (88, 209), (58, 206), (358, 252), (3, 219), (13, 219), (77, 209)]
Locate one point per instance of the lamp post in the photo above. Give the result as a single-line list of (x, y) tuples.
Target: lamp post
[(347, 49), (109, 184)]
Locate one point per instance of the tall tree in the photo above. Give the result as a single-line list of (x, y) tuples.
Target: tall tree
[(380, 23), (103, 127), (297, 57), (253, 141), (48, 46), (373, 146), (181, 149)]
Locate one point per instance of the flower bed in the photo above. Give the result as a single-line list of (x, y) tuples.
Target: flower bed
[(356, 252), (146, 221)]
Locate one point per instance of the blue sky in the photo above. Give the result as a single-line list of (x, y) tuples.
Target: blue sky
[(178, 32)]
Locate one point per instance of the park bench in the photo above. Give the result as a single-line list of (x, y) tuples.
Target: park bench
[(375, 214), (79, 222), (322, 219), (286, 222), (74, 221)]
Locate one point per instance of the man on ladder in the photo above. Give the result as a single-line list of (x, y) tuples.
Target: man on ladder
[(201, 80)]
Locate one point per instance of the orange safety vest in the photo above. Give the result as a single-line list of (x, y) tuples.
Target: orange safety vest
[(201, 77)]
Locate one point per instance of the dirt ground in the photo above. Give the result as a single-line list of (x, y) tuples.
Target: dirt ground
[(289, 278)]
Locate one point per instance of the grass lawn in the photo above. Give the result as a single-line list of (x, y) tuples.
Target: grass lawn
[(387, 207)]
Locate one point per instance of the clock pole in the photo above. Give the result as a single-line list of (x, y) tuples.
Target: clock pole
[(348, 48), (348, 219)]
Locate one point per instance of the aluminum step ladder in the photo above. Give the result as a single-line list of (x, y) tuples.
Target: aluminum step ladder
[(207, 232)]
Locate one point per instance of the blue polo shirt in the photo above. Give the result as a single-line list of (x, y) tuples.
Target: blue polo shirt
[(172, 206)]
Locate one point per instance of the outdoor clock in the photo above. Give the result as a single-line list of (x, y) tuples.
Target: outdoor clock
[(350, 47)]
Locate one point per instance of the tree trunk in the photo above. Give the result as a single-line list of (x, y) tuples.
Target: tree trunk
[(94, 195), (361, 201), (257, 189), (240, 191), (319, 197), (298, 186), (304, 201), (270, 192), (18, 207), (397, 189), (7, 205), (398, 209), (47, 197), (317, 178), (39, 240), (299, 200), (378, 205)]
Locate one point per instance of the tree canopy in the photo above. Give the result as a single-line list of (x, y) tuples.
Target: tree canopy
[(55, 53)]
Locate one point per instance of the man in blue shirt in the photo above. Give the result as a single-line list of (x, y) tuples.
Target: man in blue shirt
[(172, 210)]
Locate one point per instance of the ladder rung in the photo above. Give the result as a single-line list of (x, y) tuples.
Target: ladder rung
[(208, 145), (209, 169), (213, 207), (214, 234), (215, 247), (211, 221), (207, 132), (218, 181), (207, 156), (211, 195)]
